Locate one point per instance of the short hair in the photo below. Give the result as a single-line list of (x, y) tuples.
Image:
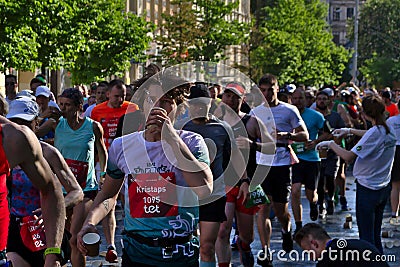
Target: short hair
[(322, 93), (268, 79), (11, 76), (116, 83), (313, 229), (74, 94)]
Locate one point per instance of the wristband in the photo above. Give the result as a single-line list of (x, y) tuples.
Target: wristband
[(52, 251), (102, 174), (56, 251), (289, 136)]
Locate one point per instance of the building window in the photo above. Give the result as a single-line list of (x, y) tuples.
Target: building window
[(336, 37), (350, 12), (336, 14)]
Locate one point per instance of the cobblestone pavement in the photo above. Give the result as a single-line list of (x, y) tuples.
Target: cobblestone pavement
[(333, 224)]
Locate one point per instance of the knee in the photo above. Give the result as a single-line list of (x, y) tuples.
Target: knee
[(207, 248), (73, 242), (223, 234)]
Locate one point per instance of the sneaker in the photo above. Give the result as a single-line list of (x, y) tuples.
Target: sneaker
[(313, 211), (330, 209), (322, 213), (234, 245), (343, 203), (111, 256), (287, 243), (246, 257), (264, 261)]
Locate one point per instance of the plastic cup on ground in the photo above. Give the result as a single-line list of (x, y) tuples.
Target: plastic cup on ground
[(347, 225), (92, 244), (387, 234), (323, 153), (389, 244)]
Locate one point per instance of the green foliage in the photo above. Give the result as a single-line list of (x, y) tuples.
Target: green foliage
[(113, 39), (93, 38), (200, 30), (378, 41), (295, 43)]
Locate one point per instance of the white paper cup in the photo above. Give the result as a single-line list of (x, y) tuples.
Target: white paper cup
[(92, 244), (389, 244)]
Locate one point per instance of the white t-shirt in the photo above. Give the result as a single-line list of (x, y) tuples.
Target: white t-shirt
[(394, 122), (88, 111), (375, 154), (281, 118)]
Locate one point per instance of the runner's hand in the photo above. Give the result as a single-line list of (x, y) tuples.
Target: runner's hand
[(88, 228), (343, 132), (243, 142), (323, 145), (243, 191)]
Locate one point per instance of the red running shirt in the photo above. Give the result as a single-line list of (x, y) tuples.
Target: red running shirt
[(4, 212)]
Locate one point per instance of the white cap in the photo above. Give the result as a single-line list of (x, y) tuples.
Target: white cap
[(26, 93), (328, 91), (291, 88), (23, 108), (53, 104), (43, 90)]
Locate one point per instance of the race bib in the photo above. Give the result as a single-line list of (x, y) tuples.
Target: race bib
[(34, 239), (79, 169), (152, 195)]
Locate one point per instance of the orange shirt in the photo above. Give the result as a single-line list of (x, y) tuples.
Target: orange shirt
[(108, 118), (392, 109)]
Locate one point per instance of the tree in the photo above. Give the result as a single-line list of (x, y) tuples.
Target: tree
[(295, 43), (91, 37), (378, 41), (115, 39), (200, 30)]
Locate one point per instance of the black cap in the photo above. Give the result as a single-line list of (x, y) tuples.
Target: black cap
[(199, 90), (387, 94)]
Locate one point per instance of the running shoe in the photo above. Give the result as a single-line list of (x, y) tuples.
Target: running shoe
[(246, 257), (287, 243), (313, 211)]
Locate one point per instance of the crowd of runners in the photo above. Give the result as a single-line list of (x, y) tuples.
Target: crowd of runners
[(189, 162)]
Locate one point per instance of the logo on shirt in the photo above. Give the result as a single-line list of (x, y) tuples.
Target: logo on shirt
[(358, 148)]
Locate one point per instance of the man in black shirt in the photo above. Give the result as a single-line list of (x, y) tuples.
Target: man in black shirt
[(337, 252)]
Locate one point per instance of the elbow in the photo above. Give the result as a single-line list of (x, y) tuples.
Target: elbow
[(79, 196), (205, 190), (207, 187)]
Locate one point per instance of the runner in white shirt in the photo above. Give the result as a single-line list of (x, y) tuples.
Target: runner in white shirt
[(288, 126)]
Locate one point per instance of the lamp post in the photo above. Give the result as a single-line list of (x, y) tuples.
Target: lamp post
[(355, 55)]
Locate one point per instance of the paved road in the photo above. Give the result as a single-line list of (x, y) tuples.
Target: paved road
[(333, 224)]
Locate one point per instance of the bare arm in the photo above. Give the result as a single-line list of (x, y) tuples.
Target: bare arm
[(300, 134), (49, 125), (343, 153), (104, 200), (101, 206), (101, 147), (64, 175), (345, 115), (258, 129), (23, 148), (357, 132)]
